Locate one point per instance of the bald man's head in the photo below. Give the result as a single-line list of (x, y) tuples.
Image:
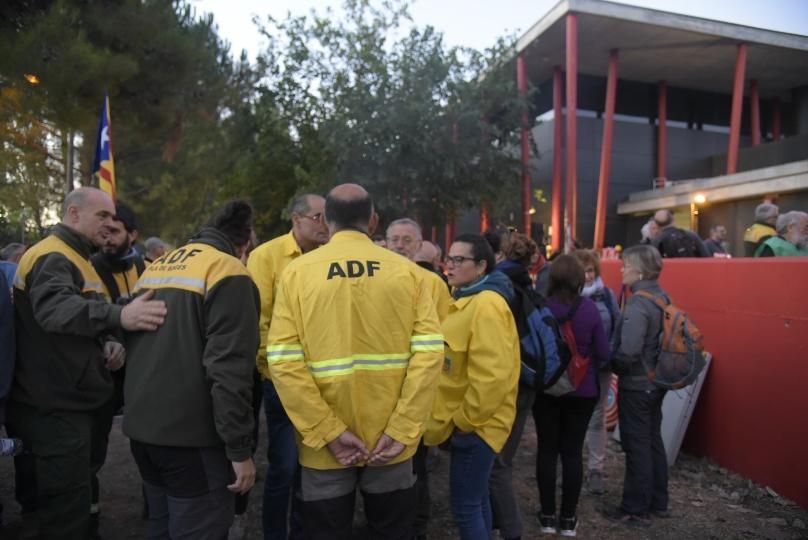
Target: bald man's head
[(349, 206), (663, 218), (428, 252), (89, 211)]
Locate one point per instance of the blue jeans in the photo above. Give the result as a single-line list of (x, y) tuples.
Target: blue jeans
[(469, 471), (282, 471)]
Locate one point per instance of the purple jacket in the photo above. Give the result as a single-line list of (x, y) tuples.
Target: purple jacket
[(590, 339)]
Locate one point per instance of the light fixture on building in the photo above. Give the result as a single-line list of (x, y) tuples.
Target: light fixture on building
[(31, 78), (698, 198), (531, 211)]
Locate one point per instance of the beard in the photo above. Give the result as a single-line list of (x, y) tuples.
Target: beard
[(116, 256)]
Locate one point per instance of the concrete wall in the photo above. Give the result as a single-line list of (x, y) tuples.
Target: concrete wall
[(754, 317)]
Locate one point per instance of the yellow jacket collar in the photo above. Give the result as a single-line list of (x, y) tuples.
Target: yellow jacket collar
[(461, 303), (348, 235), (290, 245)]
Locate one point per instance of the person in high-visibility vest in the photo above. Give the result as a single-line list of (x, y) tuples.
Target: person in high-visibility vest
[(354, 351)]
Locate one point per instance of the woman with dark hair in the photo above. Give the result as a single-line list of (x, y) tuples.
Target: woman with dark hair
[(645, 487), (517, 251), (476, 400), (561, 422)]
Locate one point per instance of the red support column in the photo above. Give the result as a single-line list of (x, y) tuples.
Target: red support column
[(450, 231), (606, 151), (572, 121), (754, 106), (434, 234), (557, 142), (485, 216), (662, 131), (521, 83), (737, 105), (776, 119)]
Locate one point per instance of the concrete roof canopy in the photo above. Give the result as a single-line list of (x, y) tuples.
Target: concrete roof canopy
[(687, 52)]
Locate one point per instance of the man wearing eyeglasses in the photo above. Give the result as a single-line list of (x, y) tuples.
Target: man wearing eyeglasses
[(266, 263), (404, 236)]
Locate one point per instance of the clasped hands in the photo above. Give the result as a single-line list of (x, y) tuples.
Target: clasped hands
[(349, 449)]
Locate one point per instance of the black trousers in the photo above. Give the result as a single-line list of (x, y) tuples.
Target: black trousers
[(423, 507), (59, 467), (561, 424), (99, 441), (186, 491), (645, 487)]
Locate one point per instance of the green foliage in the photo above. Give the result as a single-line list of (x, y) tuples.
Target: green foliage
[(424, 126), (365, 97)]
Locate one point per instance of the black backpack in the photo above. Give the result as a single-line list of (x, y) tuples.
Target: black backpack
[(678, 243)]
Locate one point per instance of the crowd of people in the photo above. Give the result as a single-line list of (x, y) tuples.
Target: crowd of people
[(366, 352), (771, 235)]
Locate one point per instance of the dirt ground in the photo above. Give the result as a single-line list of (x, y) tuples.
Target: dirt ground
[(707, 502)]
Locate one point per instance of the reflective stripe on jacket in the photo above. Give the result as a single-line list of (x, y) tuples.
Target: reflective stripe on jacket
[(190, 382), (354, 344)]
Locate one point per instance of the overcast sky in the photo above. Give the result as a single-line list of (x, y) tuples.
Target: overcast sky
[(478, 23)]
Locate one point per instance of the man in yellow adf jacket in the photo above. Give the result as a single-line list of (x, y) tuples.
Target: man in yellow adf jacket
[(354, 351)]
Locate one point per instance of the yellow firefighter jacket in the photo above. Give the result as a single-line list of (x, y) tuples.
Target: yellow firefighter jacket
[(354, 344), (478, 385), (266, 263)]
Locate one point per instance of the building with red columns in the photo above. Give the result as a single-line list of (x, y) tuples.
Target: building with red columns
[(639, 109)]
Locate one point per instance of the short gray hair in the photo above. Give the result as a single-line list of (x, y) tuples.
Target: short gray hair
[(646, 259), (766, 211), (77, 197), (407, 221), (784, 221), (300, 204), (153, 243)]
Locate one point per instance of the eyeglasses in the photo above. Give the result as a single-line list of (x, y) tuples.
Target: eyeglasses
[(406, 240), (317, 218), (457, 260)]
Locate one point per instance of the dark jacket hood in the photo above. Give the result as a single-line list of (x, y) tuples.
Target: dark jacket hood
[(495, 281)]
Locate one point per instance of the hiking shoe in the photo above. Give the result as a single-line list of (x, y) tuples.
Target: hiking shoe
[(629, 520), (548, 524), (595, 483), (567, 526)]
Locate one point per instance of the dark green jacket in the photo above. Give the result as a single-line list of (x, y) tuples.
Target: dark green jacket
[(189, 384), (62, 317)]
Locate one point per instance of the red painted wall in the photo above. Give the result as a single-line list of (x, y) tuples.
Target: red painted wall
[(752, 414)]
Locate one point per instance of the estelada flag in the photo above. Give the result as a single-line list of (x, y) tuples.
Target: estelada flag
[(104, 164)]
